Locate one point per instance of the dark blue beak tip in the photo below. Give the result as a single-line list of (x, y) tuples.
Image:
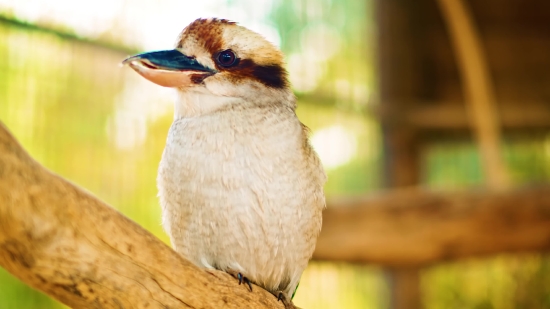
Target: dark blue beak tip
[(172, 60)]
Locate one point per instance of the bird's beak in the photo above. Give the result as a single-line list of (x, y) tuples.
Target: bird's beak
[(168, 68)]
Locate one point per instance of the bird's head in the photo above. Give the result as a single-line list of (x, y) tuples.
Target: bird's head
[(220, 58)]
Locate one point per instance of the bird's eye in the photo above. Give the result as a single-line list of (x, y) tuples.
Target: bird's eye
[(227, 58)]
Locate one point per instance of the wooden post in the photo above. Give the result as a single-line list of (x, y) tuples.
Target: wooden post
[(398, 83), (405, 287), (402, 168), (401, 147)]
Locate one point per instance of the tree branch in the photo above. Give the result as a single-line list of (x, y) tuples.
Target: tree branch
[(63, 241), (415, 227)]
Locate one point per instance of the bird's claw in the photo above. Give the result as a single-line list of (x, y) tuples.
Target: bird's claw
[(245, 280), (241, 278), (287, 302)]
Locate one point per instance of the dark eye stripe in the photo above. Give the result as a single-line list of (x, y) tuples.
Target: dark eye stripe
[(271, 75)]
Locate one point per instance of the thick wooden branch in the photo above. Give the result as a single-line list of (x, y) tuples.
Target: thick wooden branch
[(415, 227), (63, 241)]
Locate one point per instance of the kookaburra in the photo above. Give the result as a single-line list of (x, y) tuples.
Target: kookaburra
[(241, 188)]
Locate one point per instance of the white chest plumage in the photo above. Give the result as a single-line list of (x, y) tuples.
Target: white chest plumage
[(241, 190)]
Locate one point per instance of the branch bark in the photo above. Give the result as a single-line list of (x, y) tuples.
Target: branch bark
[(414, 227), (61, 240)]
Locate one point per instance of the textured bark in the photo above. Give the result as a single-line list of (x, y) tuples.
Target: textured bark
[(63, 241), (414, 227)]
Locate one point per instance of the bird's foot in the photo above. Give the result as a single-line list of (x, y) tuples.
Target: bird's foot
[(286, 301), (240, 277)]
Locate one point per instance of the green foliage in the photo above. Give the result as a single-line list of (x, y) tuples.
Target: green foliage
[(456, 165), (61, 99), (502, 282), (15, 294), (331, 285)]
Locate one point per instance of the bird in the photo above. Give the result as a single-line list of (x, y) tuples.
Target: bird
[(239, 184)]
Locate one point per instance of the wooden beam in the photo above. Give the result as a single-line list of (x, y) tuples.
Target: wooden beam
[(478, 89), (415, 227), (61, 240), (443, 116)]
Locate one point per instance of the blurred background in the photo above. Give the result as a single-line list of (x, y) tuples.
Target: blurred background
[(383, 84)]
